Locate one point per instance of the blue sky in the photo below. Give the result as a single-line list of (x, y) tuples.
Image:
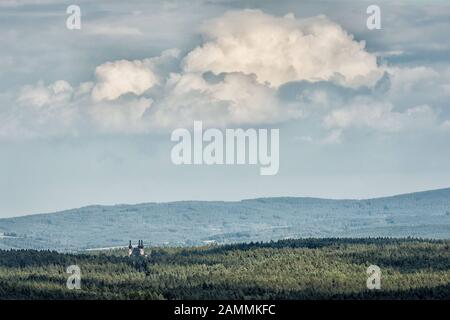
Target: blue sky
[(86, 115)]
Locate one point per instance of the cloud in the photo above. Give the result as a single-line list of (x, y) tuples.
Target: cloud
[(40, 95), (252, 69), (380, 116), (120, 77), (114, 79), (122, 116), (58, 109), (42, 110), (409, 80), (283, 49), (235, 99)]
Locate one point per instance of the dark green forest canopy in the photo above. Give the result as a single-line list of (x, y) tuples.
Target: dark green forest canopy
[(330, 268)]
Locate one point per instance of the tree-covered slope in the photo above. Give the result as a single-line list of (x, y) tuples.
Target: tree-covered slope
[(289, 269)]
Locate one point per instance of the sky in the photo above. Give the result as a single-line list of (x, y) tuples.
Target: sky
[(86, 115)]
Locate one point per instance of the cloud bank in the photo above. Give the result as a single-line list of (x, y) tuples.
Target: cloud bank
[(252, 68)]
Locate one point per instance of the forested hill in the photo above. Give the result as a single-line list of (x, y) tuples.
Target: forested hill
[(288, 269), (424, 214)]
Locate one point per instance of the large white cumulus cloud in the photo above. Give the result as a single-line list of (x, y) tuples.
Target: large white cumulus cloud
[(252, 69), (282, 49)]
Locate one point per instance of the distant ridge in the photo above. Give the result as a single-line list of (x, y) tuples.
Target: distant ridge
[(421, 214)]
